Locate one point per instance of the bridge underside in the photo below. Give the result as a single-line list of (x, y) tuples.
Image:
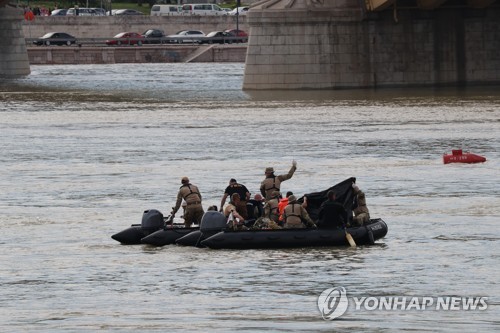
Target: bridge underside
[(377, 5), (308, 45)]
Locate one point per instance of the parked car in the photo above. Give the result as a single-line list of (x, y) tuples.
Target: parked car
[(100, 11), (81, 12), (154, 36), (218, 37), (59, 12), (166, 10), (186, 36), (238, 33), (239, 11), (202, 9), (126, 38), (55, 38), (127, 12)]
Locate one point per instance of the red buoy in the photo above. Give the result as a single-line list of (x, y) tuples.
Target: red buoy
[(457, 156)]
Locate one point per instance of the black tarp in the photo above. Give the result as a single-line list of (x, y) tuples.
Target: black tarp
[(343, 192)]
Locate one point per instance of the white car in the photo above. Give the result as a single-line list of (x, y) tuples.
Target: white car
[(239, 11), (185, 36)]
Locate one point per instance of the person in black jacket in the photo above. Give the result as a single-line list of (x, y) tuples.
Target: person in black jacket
[(331, 213), (255, 207), (235, 187)]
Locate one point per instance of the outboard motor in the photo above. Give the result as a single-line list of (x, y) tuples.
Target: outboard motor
[(152, 220), (212, 221)]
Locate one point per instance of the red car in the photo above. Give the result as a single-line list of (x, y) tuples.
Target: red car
[(238, 33), (126, 38)]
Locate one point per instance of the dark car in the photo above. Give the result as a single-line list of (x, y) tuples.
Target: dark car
[(154, 36), (128, 12), (126, 38), (238, 33), (218, 37), (55, 38)]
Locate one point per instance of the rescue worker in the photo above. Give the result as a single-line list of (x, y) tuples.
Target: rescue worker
[(255, 207), (282, 204), (234, 219), (234, 206), (242, 191), (271, 210), (295, 216), (331, 213), (191, 194), (361, 213), (273, 183)]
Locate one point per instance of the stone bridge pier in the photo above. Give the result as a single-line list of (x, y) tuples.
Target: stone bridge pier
[(337, 44), (14, 60)]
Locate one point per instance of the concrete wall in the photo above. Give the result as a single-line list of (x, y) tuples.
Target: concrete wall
[(325, 49), (135, 54), (13, 56), (109, 26)]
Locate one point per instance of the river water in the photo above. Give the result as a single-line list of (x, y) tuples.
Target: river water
[(86, 149)]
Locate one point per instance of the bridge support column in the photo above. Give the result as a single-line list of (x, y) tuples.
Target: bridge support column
[(309, 44), (14, 60), (302, 48)]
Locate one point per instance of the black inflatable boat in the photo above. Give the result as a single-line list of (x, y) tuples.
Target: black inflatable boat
[(212, 220), (154, 230), (283, 238)]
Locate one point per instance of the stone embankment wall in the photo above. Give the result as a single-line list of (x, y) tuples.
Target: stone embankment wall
[(101, 27), (135, 54), (109, 26)]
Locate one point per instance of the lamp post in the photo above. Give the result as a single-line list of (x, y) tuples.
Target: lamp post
[(237, 17)]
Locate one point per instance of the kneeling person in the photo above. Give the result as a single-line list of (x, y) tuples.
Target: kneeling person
[(232, 208), (331, 213), (295, 216), (361, 212)]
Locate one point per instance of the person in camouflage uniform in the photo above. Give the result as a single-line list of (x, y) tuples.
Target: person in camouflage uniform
[(295, 216), (272, 183), (191, 194), (271, 210), (361, 212)]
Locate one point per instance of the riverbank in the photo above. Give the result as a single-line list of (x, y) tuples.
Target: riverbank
[(62, 55)]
